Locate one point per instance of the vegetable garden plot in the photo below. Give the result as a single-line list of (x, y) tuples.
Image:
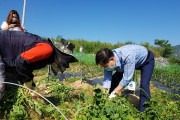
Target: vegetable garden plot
[(78, 102)]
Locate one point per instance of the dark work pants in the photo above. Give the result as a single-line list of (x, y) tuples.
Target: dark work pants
[(146, 74)]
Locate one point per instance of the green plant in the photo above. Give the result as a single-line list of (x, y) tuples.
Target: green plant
[(162, 108), (103, 108), (166, 48), (83, 104), (168, 75), (174, 60)]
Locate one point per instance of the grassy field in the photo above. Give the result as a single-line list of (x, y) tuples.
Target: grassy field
[(83, 58)]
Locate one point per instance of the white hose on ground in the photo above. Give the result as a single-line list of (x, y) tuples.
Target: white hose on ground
[(37, 94)]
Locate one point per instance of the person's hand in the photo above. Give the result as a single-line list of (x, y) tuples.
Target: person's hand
[(118, 89), (112, 95), (13, 25)]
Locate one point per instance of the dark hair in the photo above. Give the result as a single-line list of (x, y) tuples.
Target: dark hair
[(103, 56), (10, 15)]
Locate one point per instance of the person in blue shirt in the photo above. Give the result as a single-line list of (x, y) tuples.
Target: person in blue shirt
[(124, 61)]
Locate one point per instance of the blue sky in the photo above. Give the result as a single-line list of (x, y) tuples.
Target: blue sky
[(103, 20)]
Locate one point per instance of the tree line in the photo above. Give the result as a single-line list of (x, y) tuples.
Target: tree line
[(161, 48)]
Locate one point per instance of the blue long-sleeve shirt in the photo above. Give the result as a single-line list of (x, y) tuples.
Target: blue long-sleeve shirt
[(128, 58)]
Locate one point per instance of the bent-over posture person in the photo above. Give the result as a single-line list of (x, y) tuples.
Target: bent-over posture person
[(23, 52), (125, 60)]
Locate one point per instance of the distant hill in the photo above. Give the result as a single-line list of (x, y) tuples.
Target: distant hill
[(177, 51)]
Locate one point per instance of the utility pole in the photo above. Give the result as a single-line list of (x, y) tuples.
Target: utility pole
[(81, 68), (23, 16)]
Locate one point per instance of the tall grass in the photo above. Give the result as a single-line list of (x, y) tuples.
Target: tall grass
[(94, 46)]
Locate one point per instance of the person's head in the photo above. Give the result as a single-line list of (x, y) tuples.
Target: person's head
[(13, 17), (105, 58)]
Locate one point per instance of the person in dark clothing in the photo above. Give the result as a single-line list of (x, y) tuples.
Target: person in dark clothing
[(23, 52)]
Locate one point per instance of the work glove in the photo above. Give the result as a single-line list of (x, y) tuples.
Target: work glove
[(112, 95)]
